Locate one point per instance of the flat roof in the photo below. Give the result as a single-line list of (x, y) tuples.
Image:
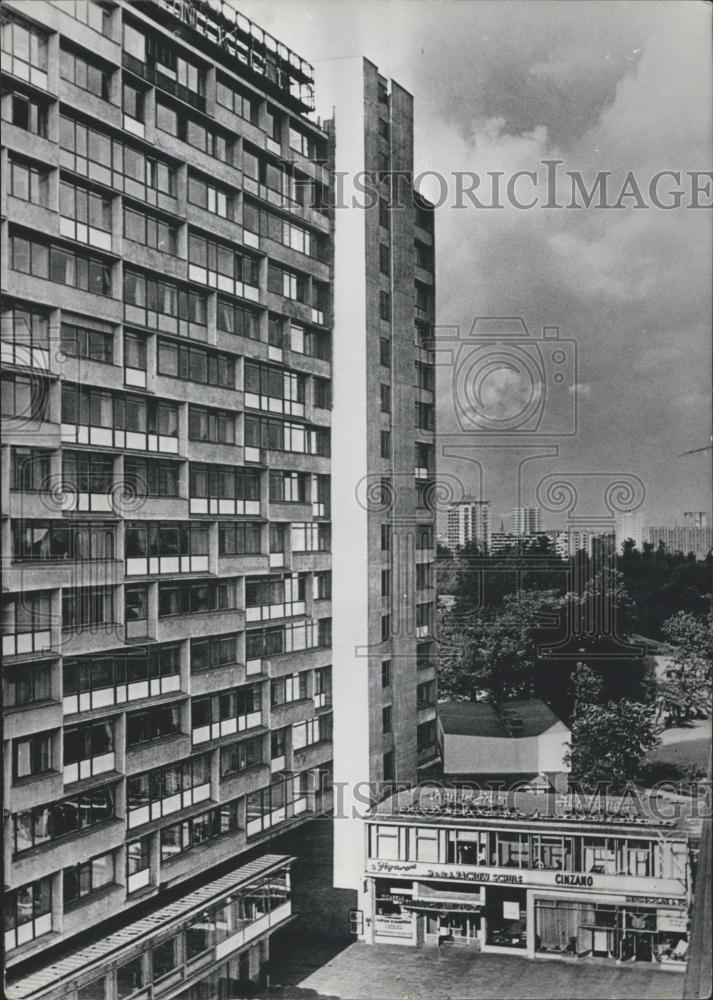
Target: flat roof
[(453, 805), (480, 718), (83, 959)]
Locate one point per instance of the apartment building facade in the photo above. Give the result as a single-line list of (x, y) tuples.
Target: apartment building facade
[(383, 454), (468, 523), (166, 497)]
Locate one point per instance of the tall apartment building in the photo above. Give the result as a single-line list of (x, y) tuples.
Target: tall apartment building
[(684, 538), (383, 463), (468, 523), (629, 525), (525, 520), (166, 607)]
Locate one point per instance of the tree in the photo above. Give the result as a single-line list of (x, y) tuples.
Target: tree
[(587, 687), (609, 742), (685, 687)]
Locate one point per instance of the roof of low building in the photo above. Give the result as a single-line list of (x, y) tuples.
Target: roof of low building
[(511, 719)]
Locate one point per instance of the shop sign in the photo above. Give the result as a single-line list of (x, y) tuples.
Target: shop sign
[(671, 920), (537, 878)]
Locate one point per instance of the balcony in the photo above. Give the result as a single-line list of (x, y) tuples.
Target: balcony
[(119, 694), (27, 643), (108, 437), (269, 612), (226, 727), (166, 565), (145, 813), (220, 506), (153, 75), (90, 767)]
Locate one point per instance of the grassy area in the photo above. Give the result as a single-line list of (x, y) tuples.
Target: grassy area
[(674, 761)]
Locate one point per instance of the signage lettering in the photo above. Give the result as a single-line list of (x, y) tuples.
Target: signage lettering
[(586, 881)]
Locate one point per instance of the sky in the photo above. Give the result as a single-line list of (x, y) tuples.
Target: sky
[(601, 86)]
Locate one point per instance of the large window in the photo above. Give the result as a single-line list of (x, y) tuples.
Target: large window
[(194, 364), (154, 723), (29, 182), (239, 538), (237, 100), (24, 50), (24, 397), (225, 713), (285, 798), (26, 623), (83, 472), (311, 536), (196, 598), (99, 680), (85, 72), (288, 487), (221, 266), (233, 317), (211, 197), (85, 215), (167, 789), (27, 113), (201, 829), (284, 690), (291, 284), (150, 230), (164, 306), (274, 389), (28, 912), (25, 685), (68, 816), (217, 426), (87, 338), (288, 638), (87, 878), (238, 757), (66, 267), (151, 477), (177, 546), (88, 750), (87, 607), (272, 598), (31, 755), (48, 540), (279, 435), (214, 651), (210, 141)]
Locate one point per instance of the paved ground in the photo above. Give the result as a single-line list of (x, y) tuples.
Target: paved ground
[(307, 968), (696, 729)]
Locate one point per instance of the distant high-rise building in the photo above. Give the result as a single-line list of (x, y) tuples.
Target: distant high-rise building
[(525, 520), (629, 525), (695, 519), (469, 522), (698, 540)]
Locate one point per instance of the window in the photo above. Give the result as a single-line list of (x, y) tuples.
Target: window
[(210, 197), (287, 593), (48, 540), (165, 539), (288, 487), (312, 343), (27, 684), (386, 719), (426, 735), (322, 586), (238, 319), (196, 597), (286, 689), (303, 143), (28, 912), (90, 274), (386, 444), (24, 50), (215, 651), (30, 470), (83, 472), (384, 258), (87, 338), (151, 477), (386, 532), (148, 302), (87, 607), (425, 694), (164, 958), (27, 113), (212, 142), (24, 397), (153, 724), (68, 816), (237, 100), (130, 977), (166, 789), (225, 713), (198, 830), (239, 756), (385, 627), (290, 284), (32, 755), (386, 583), (385, 306), (194, 364), (322, 397), (385, 352), (85, 744), (220, 266), (115, 678), (225, 482), (85, 73), (311, 731), (133, 103), (237, 539), (87, 878), (264, 384), (217, 426), (386, 673), (91, 210), (311, 536), (322, 687), (29, 182), (425, 416), (278, 435), (26, 622), (384, 217), (151, 231)]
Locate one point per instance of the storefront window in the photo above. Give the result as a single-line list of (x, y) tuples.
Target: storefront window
[(506, 922), (618, 932)]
